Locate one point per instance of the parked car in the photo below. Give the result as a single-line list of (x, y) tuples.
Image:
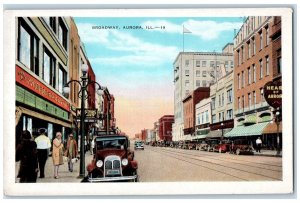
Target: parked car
[(202, 146), (211, 144), (242, 146), (113, 160), (223, 146), (138, 145), (191, 145)]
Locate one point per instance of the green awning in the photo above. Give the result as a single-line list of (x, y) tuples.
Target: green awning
[(250, 119), (251, 130), (217, 133), (199, 137)]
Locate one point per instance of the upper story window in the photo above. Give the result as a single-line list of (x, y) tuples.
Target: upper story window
[(187, 73), (63, 34), (249, 49), (278, 52), (187, 62), (197, 63), (49, 68), (249, 75), (212, 64), (203, 63), (197, 73), (254, 46), (28, 47), (213, 103), (204, 73), (261, 40), (261, 69), (229, 96), (243, 79), (254, 72), (198, 83), (62, 78), (239, 80), (267, 66), (267, 36)]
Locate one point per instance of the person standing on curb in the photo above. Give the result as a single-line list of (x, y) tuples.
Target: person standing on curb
[(71, 151), (26, 153), (258, 144), (57, 153), (43, 145)]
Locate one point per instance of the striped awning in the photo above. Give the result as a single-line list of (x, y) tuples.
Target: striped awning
[(250, 119), (271, 128), (218, 133), (251, 130)]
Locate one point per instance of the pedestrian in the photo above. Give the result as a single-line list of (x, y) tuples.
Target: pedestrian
[(258, 144), (26, 153), (71, 151), (57, 153), (43, 145)]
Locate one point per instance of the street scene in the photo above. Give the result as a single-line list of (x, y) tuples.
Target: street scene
[(148, 99)]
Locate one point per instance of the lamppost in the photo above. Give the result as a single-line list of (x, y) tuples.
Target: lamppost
[(222, 125), (83, 95)]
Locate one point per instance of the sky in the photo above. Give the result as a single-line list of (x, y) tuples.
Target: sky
[(136, 65)]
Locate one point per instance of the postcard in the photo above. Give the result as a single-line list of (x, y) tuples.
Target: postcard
[(148, 102)]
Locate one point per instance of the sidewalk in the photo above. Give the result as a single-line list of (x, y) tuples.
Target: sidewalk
[(267, 153), (64, 175)]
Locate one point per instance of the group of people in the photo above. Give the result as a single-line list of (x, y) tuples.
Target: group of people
[(33, 154)]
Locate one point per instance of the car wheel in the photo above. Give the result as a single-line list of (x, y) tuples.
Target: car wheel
[(238, 151), (137, 177), (220, 150)]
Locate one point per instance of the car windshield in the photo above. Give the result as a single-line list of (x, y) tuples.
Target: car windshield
[(112, 143)]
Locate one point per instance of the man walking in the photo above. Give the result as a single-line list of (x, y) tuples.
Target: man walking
[(43, 145), (71, 151), (258, 144)]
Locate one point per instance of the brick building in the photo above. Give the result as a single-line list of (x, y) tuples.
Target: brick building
[(165, 127), (254, 67), (189, 104)]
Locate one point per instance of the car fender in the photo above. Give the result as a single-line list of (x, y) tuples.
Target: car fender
[(134, 164), (91, 166)]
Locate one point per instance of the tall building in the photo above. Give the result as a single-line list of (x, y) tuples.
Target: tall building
[(41, 71), (193, 70), (255, 60)]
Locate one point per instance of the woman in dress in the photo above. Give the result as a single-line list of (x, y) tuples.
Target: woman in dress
[(57, 153)]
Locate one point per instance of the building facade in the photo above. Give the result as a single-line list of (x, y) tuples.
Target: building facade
[(203, 118), (254, 67), (41, 72), (193, 70), (222, 106), (189, 104), (165, 127)]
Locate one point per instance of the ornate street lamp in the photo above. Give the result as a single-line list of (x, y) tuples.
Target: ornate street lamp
[(278, 139), (83, 95)]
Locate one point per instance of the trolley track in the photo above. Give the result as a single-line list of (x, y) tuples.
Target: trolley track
[(203, 164)]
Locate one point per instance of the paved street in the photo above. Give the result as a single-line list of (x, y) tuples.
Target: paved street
[(158, 164), (168, 164)]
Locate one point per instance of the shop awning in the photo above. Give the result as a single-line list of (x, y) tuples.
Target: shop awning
[(251, 130), (45, 117), (199, 137), (217, 133), (272, 128)]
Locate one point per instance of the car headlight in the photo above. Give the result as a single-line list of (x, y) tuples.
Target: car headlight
[(99, 163), (124, 162)]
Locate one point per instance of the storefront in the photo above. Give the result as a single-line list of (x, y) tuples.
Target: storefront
[(38, 106)]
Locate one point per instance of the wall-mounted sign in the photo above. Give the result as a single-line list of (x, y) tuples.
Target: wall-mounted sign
[(273, 93), (26, 80)]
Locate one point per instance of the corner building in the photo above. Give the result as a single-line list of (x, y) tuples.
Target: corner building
[(41, 72), (254, 67)]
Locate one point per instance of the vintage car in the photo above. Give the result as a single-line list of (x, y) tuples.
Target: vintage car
[(202, 146), (191, 145), (112, 161), (211, 144), (242, 146), (223, 146), (138, 145)]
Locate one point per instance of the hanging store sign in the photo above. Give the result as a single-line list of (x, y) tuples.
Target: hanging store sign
[(26, 80), (273, 93)]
